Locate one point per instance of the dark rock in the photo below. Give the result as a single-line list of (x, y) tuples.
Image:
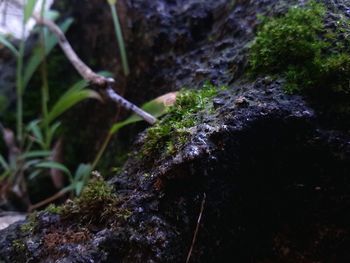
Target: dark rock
[(276, 185), (274, 175)]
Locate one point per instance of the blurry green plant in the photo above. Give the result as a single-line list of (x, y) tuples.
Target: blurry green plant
[(8, 44), (119, 35), (31, 152)]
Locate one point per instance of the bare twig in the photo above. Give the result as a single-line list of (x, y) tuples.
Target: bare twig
[(197, 228), (128, 105), (79, 65), (88, 74)]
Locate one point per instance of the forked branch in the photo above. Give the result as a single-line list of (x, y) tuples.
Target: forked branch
[(88, 74)]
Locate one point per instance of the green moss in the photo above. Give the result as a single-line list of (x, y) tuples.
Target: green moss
[(98, 204), (29, 227), (298, 46), (293, 37), (171, 132), (53, 209), (19, 246), (336, 70)]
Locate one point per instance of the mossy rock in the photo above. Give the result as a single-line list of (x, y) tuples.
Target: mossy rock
[(171, 133), (312, 56)]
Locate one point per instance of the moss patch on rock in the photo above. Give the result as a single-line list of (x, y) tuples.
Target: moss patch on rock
[(99, 196), (312, 57), (97, 204), (171, 133), (30, 225)]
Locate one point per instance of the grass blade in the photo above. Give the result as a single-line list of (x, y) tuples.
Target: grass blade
[(33, 126), (28, 10), (34, 174), (52, 130), (8, 44), (119, 35), (53, 165), (34, 154), (3, 163), (82, 171), (68, 101), (81, 176)]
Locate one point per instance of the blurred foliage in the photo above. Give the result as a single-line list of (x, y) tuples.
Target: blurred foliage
[(33, 152)]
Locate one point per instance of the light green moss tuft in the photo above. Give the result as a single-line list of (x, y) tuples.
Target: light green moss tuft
[(19, 246), (30, 225), (53, 209), (98, 204), (171, 132)]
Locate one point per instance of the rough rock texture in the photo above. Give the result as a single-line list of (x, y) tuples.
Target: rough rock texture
[(274, 174), (276, 188)]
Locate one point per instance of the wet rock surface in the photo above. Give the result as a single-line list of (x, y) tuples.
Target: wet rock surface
[(276, 188), (275, 176)]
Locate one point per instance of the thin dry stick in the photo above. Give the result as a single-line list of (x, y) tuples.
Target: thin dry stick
[(90, 75), (79, 65), (197, 228), (128, 105)]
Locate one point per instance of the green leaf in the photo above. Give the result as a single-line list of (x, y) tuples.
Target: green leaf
[(33, 127), (53, 165), (78, 86), (117, 126), (112, 2), (52, 130), (78, 188), (68, 188), (119, 36), (28, 10), (69, 100), (36, 57), (8, 44), (35, 154), (156, 107), (52, 15), (82, 171), (81, 177), (105, 73), (30, 163), (34, 174), (3, 163)]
